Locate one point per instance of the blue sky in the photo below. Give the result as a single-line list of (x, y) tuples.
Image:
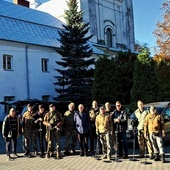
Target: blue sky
[(146, 15)]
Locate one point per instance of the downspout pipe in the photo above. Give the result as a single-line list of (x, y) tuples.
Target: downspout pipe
[(27, 71)]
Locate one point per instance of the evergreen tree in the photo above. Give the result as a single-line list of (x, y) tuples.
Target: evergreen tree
[(113, 78), (163, 71), (75, 79), (103, 84), (145, 85)]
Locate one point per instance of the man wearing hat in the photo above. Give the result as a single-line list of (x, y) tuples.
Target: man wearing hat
[(10, 132), (29, 130), (154, 127), (53, 121), (39, 118)]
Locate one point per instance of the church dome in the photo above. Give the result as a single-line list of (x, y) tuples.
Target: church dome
[(54, 7)]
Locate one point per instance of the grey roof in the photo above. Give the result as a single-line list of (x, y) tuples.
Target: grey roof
[(26, 25), (22, 24)]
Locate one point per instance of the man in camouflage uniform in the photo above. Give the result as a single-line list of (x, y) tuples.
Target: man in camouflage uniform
[(29, 130), (70, 130), (94, 111), (53, 121), (104, 127)]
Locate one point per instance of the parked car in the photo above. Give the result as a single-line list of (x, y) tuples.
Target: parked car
[(163, 108)]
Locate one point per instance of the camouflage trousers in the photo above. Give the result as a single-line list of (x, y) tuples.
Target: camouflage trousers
[(105, 141), (53, 139), (30, 136), (141, 141), (70, 135)]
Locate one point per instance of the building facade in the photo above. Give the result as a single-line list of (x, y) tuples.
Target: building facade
[(29, 38)]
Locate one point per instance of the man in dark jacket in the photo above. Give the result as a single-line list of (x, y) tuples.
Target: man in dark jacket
[(94, 111), (81, 119), (41, 128), (120, 126), (10, 132)]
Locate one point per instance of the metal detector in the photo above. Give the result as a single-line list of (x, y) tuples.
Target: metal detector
[(134, 140), (97, 151), (145, 161), (117, 143)]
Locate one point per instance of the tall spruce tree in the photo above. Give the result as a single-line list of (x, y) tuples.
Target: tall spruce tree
[(75, 80)]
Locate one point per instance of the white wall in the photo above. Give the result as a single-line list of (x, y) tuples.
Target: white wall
[(14, 83)]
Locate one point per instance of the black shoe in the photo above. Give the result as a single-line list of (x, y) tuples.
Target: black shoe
[(26, 153), (74, 152), (151, 156), (156, 157), (66, 153), (125, 157), (42, 155), (163, 158), (81, 153), (86, 154), (120, 155)]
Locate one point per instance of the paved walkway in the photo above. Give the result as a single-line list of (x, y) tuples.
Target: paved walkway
[(76, 162)]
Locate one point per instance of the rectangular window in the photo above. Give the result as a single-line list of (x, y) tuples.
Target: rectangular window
[(44, 65), (8, 99), (7, 62), (46, 98)]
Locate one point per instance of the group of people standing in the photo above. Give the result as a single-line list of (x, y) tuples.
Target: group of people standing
[(105, 124)]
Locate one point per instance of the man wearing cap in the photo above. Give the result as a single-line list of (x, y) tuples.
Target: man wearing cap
[(154, 127), (10, 132), (53, 121), (29, 130), (39, 118)]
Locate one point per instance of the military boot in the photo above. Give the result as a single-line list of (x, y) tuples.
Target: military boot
[(163, 158), (156, 157)]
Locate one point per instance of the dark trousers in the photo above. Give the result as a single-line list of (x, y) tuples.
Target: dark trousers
[(122, 141), (42, 141), (83, 142), (93, 138), (8, 141)]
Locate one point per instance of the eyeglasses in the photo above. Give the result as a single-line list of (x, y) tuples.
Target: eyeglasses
[(118, 105)]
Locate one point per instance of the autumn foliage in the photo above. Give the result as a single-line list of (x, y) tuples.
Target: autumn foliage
[(162, 34)]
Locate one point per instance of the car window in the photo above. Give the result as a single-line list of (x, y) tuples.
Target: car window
[(159, 109), (166, 114)]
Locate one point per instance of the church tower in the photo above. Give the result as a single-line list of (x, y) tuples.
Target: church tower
[(111, 21)]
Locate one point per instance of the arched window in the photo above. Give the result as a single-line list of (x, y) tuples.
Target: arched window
[(109, 37)]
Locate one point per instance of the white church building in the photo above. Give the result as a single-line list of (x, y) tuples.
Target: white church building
[(29, 38)]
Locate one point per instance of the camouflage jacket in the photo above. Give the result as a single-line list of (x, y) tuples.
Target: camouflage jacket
[(69, 119), (28, 121), (54, 118)]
